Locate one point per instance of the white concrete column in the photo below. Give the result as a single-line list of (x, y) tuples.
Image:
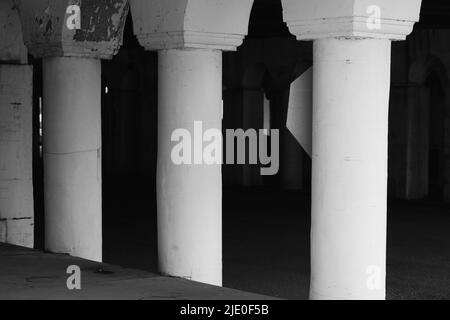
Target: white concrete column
[(72, 156), (351, 83), (189, 196), (349, 174), (16, 187), (189, 35), (72, 114)]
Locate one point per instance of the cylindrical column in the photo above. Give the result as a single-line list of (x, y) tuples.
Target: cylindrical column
[(417, 142), (349, 174), (189, 196), (72, 156)]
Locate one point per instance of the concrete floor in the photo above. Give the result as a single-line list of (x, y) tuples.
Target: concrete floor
[(266, 241), (33, 275)]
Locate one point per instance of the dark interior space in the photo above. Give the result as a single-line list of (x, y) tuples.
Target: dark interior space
[(436, 136)]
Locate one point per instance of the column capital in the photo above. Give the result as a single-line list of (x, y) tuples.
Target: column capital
[(46, 30), (203, 24), (373, 19), (12, 48)]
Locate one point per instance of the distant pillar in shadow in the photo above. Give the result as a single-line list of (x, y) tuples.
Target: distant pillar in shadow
[(252, 118)]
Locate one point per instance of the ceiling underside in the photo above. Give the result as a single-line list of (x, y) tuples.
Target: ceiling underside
[(266, 19)]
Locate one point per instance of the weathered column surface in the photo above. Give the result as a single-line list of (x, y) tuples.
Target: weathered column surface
[(190, 36), (351, 82), (16, 91), (71, 43), (16, 187)]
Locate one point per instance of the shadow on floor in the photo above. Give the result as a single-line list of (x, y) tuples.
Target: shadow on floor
[(266, 241)]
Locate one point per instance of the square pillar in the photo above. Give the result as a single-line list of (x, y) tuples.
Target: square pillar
[(16, 186)]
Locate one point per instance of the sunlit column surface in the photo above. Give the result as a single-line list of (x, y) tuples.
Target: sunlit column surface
[(189, 195), (349, 174), (351, 83), (72, 156)]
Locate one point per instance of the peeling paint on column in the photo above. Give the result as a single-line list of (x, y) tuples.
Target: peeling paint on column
[(43, 23), (46, 33), (101, 20)]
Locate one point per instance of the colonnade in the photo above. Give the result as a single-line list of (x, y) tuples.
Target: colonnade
[(351, 83)]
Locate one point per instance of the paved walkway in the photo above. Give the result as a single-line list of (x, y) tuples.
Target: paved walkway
[(31, 274)]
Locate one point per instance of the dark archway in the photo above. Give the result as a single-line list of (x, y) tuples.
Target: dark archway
[(129, 143), (431, 78)]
